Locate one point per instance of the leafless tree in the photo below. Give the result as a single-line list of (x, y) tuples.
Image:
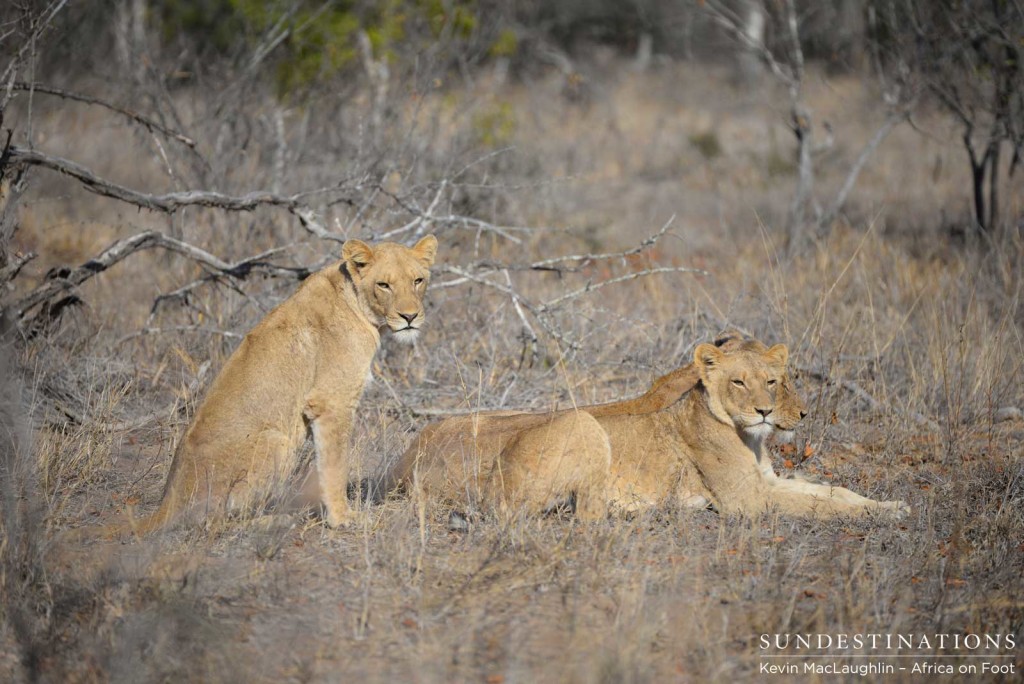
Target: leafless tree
[(785, 61), (968, 56)]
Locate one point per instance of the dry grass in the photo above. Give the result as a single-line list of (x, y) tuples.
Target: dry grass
[(927, 327)]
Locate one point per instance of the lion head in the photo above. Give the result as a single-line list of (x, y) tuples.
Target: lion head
[(790, 408), (391, 280), (742, 386)]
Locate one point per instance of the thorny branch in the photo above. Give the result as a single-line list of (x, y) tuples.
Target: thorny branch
[(146, 122), (168, 203), (65, 279), (542, 313)]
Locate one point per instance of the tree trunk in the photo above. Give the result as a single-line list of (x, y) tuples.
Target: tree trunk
[(993, 184), (748, 58), (804, 182), (977, 182)]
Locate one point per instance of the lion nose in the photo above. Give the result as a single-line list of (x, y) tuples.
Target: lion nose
[(764, 412), (409, 318)]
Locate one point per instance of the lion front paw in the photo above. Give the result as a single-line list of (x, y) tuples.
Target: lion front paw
[(341, 516)]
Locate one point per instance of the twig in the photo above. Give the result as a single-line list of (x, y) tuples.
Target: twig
[(733, 25), (174, 201), (67, 279), (858, 165), (307, 218), (650, 241), (421, 218), (39, 26), (77, 417), (450, 219), (864, 396), (10, 271), (528, 329), (148, 123), (511, 293), (593, 287), (142, 332)]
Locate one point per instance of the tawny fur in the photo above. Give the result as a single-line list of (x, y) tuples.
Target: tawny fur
[(525, 463), (303, 367), (700, 446), (704, 447)]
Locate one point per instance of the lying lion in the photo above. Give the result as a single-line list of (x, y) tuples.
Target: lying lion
[(524, 462), (303, 367), (461, 458), (704, 446)]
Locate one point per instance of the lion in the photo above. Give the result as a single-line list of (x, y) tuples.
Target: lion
[(506, 463), (301, 369), (790, 408), (701, 448)]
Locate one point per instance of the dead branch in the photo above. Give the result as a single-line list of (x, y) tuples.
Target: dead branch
[(424, 219), (146, 122), (66, 279), (62, 405), (142, 332), (40, 24), (851, 177), (725, 17), (864, 396), (172, 202), (547, 264), (10, 271), (182, 293), (528, 330), (593, 287)]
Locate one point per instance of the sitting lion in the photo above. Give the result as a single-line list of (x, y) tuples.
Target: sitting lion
[(303, 367)]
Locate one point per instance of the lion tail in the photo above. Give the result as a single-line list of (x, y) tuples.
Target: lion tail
[(127, 526)]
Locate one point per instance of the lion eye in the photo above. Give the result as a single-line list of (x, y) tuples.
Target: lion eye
[(383, 286), (417, 281), (739, 383), (771, 383)]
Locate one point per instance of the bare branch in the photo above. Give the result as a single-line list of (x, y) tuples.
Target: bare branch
[(10, 271), (527, 328), (515, 296), (649, 242), (146, 122), (175, 201), (864, 396), (851, 177), (426, 217), (67, 279), (142, 332), (9, 75), (733, 25), (593, 287)]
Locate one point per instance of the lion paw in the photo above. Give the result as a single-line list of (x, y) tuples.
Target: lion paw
[(341, 517)]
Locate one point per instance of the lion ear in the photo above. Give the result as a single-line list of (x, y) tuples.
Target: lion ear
[(729, 340), (778, 354), (426, 250), (357, 253), (707, 356)]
